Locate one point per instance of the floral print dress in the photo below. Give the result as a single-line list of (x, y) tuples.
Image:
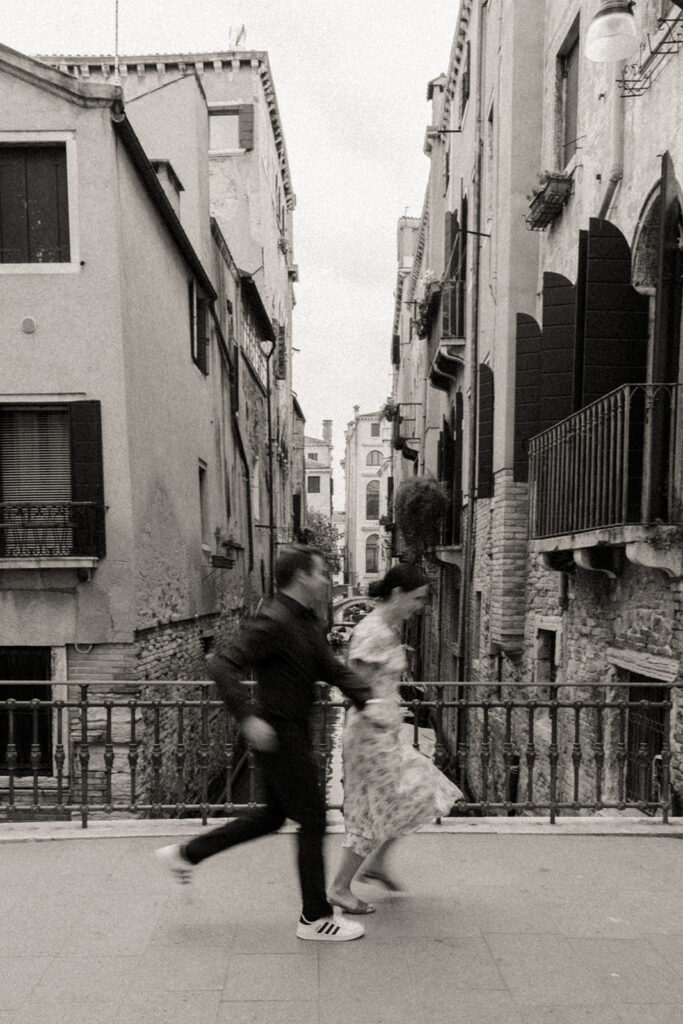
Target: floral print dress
[(390, 789)]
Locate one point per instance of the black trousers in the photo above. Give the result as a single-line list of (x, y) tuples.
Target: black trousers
[(292, 791)]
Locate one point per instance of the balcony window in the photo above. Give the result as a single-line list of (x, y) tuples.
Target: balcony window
[(51, 486), (372, 553), (372, 500), (34, 208)]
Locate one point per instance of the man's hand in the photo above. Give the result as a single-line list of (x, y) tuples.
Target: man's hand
[(259, 734)]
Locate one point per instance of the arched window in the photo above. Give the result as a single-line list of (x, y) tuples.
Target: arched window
[(372, 553), (374, 458), (372, 500)]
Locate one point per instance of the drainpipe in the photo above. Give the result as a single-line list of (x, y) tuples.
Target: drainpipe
[(616, 146), (469, 531), (271, 515)]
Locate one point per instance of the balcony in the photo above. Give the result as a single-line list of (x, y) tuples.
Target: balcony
[(49, 534), (405, 429), (609, 476)]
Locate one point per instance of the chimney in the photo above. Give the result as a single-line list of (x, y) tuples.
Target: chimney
[(327, 431)]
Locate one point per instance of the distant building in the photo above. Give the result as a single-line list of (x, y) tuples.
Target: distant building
[(319, 482), (367, 473)]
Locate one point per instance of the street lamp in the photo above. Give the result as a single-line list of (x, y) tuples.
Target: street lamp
[(612, 35)]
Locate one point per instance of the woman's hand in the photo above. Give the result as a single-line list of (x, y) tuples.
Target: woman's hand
[(259, 734)]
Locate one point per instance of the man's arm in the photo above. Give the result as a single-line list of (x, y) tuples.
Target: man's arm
[(229, 670), (350, 683)]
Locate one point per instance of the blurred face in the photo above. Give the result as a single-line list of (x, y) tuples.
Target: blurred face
[(410, 602), (317, 581)]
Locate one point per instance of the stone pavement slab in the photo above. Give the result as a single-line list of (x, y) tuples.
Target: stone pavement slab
[(542, 927)]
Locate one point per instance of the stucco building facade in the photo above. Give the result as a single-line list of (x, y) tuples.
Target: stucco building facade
[(544, 298), (368, 481), (146, 407), (319, 482)]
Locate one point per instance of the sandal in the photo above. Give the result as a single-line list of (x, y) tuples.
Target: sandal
[(361, 907), (372, 876)]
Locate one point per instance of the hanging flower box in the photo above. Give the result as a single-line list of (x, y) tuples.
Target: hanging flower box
[(548, 200)]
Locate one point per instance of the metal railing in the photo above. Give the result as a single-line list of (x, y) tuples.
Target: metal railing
[(49, 528), (612, 463), (513, 748)]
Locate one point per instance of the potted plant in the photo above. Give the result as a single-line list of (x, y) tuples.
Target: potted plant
[(547, 201), (389, 409), (419, 506)]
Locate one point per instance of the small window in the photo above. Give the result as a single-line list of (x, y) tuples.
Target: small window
[(568, 85), (374, 458), (313, 485), (204, 506), (546, 664), (372, 553), (313, 456), (374, 430), (34, 209), (372, 500), (224, 129), (465, 80), (199, 328), (231, 128)]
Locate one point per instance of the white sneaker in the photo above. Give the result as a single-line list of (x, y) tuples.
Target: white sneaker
[(172, 859), (330, 929)]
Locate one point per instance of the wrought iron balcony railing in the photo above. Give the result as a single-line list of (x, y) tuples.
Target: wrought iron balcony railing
[(50, 528), (165, 749), (614, 462)]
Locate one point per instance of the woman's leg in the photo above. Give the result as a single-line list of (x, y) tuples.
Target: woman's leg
[(339, 892), (375, 866)]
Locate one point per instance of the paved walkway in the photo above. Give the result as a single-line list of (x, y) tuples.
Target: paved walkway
[(494, 929)]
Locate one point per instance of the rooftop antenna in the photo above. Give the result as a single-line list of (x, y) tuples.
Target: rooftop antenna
[(117, 79), (241, 36)]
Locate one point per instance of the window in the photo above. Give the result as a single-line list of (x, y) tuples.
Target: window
[(51, 481), (372, 553), (374, 430), (465, 80), (204, 506), (546, 665), (313, 485), (374, 458), (568, 84), (313, 456), (372, 500), (231, 128), (199, 328), (34, 207), (27, 663)]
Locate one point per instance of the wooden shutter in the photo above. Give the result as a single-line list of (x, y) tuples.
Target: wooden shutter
[(580, 321), (527, 373), (87, 477), (485, 438), (396, 350), (13, 224), (556, 384), (246, 127), (616, 316)]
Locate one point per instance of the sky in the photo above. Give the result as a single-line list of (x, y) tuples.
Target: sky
[(351, 81)]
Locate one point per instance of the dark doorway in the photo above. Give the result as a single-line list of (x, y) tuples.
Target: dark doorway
[(26, 663), (645, 741)]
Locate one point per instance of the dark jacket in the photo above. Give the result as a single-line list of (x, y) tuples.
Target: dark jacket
[(284, 648)]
